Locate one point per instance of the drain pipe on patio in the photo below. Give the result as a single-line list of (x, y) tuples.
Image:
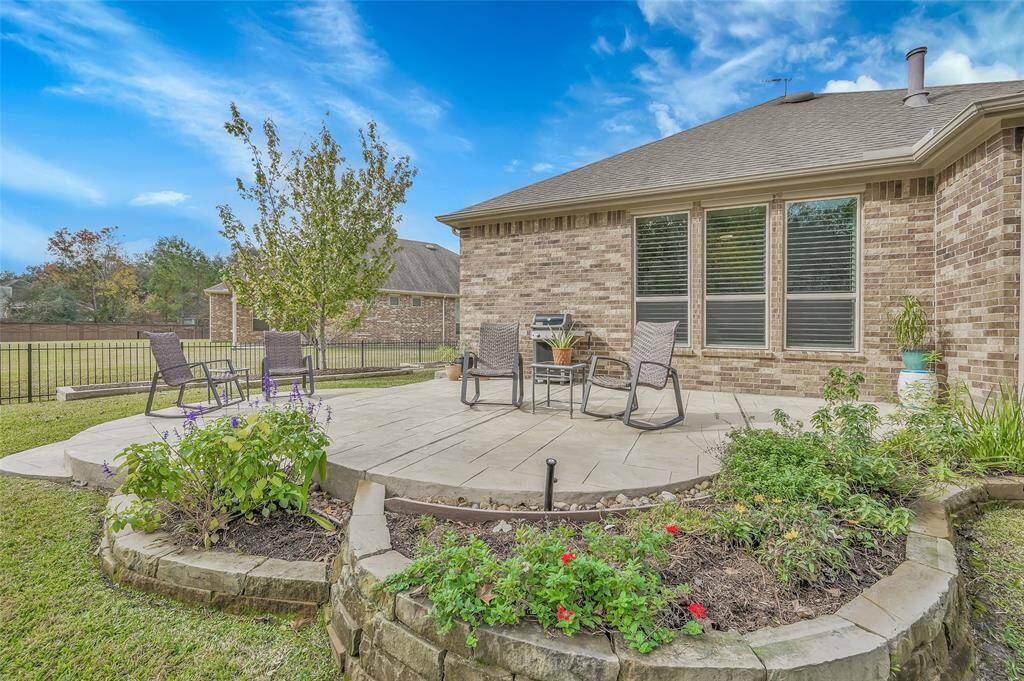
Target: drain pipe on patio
[(549, 485)]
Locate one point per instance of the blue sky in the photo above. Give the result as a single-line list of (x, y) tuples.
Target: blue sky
[(111, 114)]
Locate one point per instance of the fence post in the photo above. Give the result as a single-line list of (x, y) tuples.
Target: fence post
[(419, 351), (362, 354), (29, 372)]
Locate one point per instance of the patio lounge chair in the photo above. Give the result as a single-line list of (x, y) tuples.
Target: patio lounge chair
[(499, 358), (284, 358), (177, 372), (650, 364)]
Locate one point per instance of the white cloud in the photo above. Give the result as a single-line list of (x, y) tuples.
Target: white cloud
[(21, 243), (165, 197), (541, 167), (862, 84), (602, 46), (663, 119), (956, 67), (24, 171), (512, 165)]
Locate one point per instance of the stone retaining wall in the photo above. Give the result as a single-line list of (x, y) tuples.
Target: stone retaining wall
[(230, 581), (909, 626)]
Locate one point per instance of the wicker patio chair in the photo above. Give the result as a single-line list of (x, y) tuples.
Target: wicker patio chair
[(284, 358), (650, 364), (499, 358), (176, 371)]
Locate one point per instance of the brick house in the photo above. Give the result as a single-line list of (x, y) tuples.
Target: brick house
[(780, 236), (419, 302)]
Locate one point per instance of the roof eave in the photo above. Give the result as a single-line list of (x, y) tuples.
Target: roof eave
[(916, 156)]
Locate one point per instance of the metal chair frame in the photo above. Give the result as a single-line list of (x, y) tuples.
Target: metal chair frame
[(470, 358), (209, 380), (306, 372)]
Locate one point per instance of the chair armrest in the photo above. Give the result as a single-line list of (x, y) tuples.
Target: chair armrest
[(666, 367), (468, 360), (604, 358), (190, 365)]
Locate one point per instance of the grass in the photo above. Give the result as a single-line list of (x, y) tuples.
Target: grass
[(995, 561), (25, 425), (96, 362), (60, 618)]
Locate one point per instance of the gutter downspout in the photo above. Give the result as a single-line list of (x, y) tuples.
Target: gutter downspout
[(444, 323), (1019, 134), (234, 320)]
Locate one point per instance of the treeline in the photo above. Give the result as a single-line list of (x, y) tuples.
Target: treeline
[(88, 277)]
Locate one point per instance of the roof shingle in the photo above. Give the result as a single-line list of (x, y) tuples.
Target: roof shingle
[(769, 137)]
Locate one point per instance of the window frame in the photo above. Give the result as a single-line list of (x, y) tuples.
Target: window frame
[(397, 301), (767, 295), (857, 297), (689, 274), (417, 301)]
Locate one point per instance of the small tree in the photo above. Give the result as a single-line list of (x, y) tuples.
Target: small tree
[(323, 239), (91, 266), (175, 274)]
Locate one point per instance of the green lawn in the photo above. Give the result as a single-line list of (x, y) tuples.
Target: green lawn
[(60, 618), (995, 567), (95, 362)]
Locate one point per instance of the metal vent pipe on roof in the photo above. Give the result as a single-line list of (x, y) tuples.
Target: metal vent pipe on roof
[(916, 94)]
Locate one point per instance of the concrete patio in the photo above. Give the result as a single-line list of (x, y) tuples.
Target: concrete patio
[(421, 442)]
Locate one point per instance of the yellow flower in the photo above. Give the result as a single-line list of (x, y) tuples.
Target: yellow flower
[(776, 500), (791, 535), (759, 498), (740, 508)]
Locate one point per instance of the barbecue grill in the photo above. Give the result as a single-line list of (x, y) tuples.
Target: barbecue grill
[(544, 326)]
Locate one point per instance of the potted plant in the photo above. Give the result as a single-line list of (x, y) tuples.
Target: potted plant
[(917, 385), (453, 358), (909, 326), (561, 343)]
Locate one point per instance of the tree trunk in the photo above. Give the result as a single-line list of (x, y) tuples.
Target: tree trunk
[(321, 344)]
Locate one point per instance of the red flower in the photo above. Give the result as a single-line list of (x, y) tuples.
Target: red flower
[(697, 610), (565, 615), (672, 529), (567, 556)]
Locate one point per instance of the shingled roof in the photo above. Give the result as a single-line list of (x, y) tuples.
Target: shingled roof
[(771, 137), (420, 267)]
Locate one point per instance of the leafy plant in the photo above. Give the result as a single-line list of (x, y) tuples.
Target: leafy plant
[(448, 354), (595, 581), (909, 323), (562, 340), (995, 429), (234, 466)]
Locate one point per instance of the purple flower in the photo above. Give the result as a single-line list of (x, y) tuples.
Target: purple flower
[(266, 385), (106, 470), (235, 422), (329, 413), (295, 394)]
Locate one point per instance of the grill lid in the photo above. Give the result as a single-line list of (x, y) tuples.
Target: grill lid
[(552, 321)]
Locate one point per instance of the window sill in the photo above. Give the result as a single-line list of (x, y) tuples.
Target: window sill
[(746, 353), (851, 356), (684, 352)]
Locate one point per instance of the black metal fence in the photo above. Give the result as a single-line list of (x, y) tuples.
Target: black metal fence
[(32, 372)]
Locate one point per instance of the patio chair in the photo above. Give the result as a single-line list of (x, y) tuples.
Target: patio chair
[(284, 358), (176, 371), (650, 365), (499, 358)]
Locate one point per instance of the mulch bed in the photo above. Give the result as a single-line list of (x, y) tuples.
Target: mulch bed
[(739, 593), (288, 536)]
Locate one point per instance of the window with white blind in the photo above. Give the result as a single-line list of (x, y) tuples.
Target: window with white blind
[(735, 261), (663, 271), (821, 274)]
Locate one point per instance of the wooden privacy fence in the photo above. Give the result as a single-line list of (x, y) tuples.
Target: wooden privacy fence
[(24, 332), (31, 372)]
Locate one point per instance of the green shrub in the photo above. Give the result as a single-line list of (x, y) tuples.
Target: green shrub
[(995, 429), (594, 581), (230, 467)]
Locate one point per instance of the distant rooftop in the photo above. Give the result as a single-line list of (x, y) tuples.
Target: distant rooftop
[(420, 267), (770, 137)]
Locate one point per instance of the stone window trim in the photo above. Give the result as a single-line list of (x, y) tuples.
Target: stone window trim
[(857, 296), (681, 347), (746, 350)]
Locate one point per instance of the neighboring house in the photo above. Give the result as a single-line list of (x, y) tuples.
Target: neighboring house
[(780, 237), (419, 302)]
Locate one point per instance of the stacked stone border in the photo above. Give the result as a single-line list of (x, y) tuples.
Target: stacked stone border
[(235, 582), (909, 626)]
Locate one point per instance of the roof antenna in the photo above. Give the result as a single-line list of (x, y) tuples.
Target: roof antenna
[(784, 81)]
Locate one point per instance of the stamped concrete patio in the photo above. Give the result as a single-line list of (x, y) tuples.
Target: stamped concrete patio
[(421, 442)]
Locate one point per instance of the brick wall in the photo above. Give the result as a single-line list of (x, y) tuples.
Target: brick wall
[(382, 322), (978, 227), (582, 264)]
